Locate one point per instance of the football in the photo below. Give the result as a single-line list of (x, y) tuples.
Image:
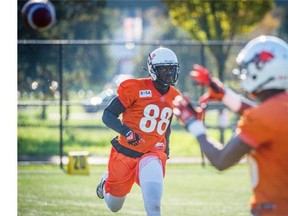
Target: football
[(39, 15)]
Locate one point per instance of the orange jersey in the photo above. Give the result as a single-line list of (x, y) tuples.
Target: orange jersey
[(147, 113), (265, 128)]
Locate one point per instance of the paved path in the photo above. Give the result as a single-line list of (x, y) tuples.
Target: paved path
[(100, 160), (104, 160)]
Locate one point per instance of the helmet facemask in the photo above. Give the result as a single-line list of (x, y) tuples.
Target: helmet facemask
[(167, 74)]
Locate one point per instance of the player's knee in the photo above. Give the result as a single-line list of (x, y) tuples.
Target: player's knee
[(152, 193), (114, 207), (153, 207), (114, 203)]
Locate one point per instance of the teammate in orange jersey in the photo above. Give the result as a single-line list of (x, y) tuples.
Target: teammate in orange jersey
[(140, 151), (262, 130)]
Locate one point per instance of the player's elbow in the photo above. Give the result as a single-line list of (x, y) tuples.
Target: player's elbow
[(221, 164), (105, 117), (221, 167)]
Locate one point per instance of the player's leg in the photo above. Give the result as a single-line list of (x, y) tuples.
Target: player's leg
[(151, 183), (119, 181), (112, 202)]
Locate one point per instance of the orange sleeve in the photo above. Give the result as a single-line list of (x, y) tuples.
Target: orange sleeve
[(255, 127), (126, 93)]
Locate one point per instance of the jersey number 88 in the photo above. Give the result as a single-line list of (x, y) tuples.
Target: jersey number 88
[(149, 122)]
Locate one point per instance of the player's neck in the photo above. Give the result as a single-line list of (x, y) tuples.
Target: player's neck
[(266, 94)]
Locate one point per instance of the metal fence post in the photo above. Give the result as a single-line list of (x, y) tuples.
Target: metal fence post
[(60, 108), (202, 60)]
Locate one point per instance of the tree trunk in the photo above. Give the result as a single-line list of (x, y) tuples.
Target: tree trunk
[(220, 52)]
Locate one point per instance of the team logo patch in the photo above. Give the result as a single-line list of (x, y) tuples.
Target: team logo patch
[(159, 145), (145, 93)]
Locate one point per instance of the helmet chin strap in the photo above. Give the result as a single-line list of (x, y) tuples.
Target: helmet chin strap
[(162, 82), (162, 87)]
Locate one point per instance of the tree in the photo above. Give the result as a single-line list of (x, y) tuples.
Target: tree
[(38, 65), (283, 31), (217, 20), (75, 20)]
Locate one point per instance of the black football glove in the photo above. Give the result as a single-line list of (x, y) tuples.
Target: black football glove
[(134, 139)]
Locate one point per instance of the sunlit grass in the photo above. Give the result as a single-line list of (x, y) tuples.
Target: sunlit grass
[(85, 131), (189, 190)]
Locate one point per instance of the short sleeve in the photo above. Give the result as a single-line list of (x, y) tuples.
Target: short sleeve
[(255, 128), (126, 92)]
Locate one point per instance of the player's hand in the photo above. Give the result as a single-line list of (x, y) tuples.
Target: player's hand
[(134, 139), (190, 115), (185, 111), (215, 92), (203, 77)]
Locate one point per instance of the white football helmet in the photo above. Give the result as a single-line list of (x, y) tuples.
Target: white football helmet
[(163, 66), (263, 64)]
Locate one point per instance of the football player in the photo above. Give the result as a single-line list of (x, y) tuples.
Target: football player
[(262, 130), (140, 151)]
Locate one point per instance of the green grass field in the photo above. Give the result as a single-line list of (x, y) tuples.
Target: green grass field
[(40, 138), (46, 190), (189, 190)]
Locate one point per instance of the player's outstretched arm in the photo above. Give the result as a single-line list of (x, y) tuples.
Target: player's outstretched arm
[(217, 91), (220, 156), (223, 156)]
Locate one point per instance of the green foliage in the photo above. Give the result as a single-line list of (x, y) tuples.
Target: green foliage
[(188, 190), (217, 21), (40, 63), (283, 30)]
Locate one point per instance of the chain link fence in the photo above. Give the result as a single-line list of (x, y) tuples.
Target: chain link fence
[(63, 86)]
